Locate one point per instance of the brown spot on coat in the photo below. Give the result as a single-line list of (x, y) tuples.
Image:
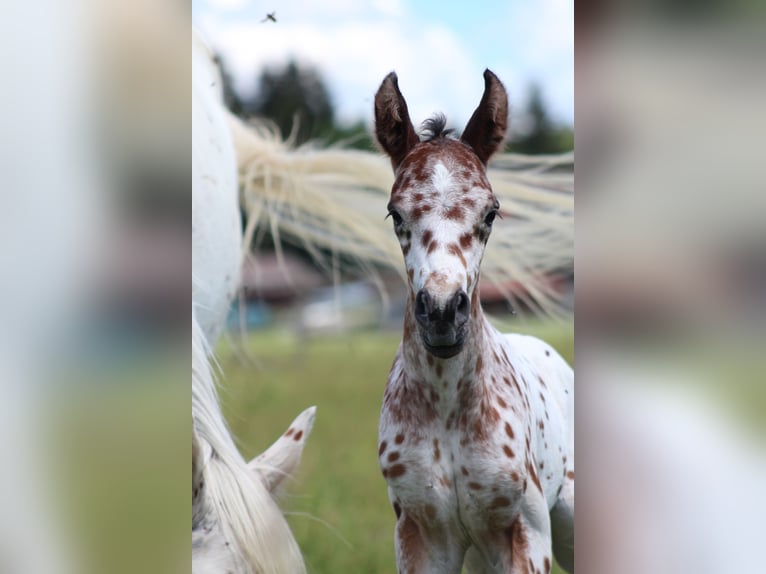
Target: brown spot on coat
[(298, 436), (500, 501), (534, 477), (399, 439), (478, 430), (427, 236), (509, 430), (455, 213), (433, 246), (290, 431), (474, 486), (397, 470), (464, 470), (393, 457), (466, 240), (570, 475), (455, 250), (508, 451)]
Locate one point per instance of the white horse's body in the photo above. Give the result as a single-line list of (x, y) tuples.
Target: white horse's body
[(216, 225)]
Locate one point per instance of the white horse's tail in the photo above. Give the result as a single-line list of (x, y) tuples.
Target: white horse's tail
[(334, 200), (244, 508)]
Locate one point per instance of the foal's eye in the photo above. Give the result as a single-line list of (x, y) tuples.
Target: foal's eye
[(490, 218), (395, 216)]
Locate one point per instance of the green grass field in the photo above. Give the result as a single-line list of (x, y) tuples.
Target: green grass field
[(337, 504)]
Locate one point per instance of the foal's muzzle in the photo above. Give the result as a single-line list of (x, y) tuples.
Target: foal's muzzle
[(442, 328)]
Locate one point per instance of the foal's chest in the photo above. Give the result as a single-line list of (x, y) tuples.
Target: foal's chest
[(448, 476), (470, 461)]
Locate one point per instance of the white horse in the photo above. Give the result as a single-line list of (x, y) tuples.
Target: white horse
[(236, 525)]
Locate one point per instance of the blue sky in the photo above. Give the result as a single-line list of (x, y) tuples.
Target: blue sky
[(438, 48)]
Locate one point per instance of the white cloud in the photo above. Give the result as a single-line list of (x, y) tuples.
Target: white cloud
[(227, 5), (354, 59), (356, 44)]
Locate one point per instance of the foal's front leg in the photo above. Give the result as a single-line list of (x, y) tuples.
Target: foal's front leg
[(523, 546), (426, 551)]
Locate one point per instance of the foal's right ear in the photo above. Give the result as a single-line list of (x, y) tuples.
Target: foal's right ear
[(393, 127)]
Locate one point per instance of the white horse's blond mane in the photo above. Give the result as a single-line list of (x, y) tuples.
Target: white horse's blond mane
[(334, 199)]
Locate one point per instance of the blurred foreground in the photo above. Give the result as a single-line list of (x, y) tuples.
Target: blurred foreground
[(670, 288)]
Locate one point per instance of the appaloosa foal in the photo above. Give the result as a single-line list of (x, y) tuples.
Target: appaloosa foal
[(476, 429)]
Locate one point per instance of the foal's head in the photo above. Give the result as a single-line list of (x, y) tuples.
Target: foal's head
[(442, 206)]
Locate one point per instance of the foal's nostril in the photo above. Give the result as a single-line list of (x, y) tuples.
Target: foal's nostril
[(462, 307), (422, 306)]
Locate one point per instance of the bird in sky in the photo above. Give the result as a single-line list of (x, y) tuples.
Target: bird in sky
[(271, 16)]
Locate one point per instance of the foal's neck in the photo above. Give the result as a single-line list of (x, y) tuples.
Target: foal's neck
[(444, 375)]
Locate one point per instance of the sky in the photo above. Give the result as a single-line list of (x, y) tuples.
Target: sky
[(439, 49)]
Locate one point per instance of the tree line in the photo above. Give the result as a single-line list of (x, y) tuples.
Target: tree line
[(297, 100)]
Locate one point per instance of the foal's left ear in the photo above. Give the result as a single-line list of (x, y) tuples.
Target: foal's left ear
[(485, 131)]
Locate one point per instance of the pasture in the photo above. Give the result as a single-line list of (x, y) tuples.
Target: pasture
[(337, 503)]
